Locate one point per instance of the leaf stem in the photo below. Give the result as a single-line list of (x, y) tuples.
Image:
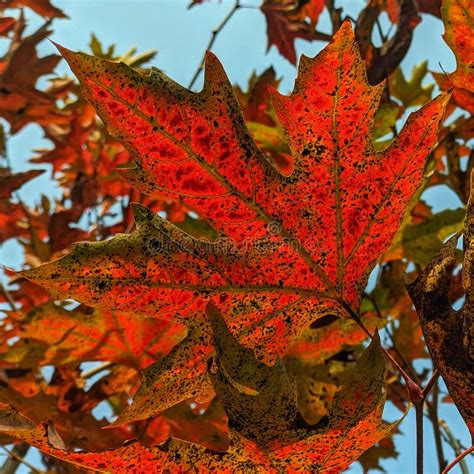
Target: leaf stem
[(433, 416), (458, 459), (212, 39), (429, 385), (419, 437)]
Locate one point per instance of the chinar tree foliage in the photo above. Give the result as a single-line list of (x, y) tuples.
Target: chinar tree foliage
[(218, 245)]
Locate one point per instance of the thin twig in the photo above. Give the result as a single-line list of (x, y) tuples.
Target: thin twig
[(15, 458), (214, 34), (433, 416), (383, 37), (458, 459), (413, 374), (8, 297), (455, 444), (95, 370)]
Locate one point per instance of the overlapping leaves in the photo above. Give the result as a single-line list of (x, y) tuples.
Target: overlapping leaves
[(248, 387), (291, 246), (84, 156), (294, 245)]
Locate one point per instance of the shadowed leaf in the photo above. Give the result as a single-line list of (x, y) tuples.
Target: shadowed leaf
[(449, 334), (355, 416)]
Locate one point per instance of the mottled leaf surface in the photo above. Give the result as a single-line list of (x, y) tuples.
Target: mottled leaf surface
[(53, 335), (354, 424), (449, 334), (291, 247), (458, 19), (180, 375), (329, 335)]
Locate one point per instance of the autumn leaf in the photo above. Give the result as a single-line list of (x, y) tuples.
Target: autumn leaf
[(316, 385), (286, 21), (385, 449), (419, 242), (448, 332), (354, 415), (57, 336), (329, 335), (10, 182), (261, 120), (259, 400), (295, 246), (130, 57), (424, 6), (11, 212), (204, 424), (266, 304), (6, 25), (458, 22), (42, 7), (20, 100), (179, 375), (255, 102), (76, 427), (323, 452), (384, 124)]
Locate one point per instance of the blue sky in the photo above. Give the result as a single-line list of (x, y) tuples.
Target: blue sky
[(180, 36)]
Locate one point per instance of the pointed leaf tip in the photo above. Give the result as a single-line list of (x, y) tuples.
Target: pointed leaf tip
[(141, 213), (62, 49), (346, 29)]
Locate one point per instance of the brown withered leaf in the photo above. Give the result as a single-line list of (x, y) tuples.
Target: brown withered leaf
[(449, 333), (42, 7)]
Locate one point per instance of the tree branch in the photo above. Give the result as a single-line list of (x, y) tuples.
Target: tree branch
[(15, 458), (212, 40)]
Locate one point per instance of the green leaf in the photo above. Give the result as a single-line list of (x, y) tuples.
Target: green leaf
[(421, 241), (411, 92)]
